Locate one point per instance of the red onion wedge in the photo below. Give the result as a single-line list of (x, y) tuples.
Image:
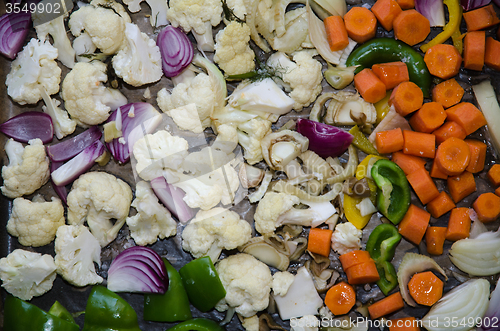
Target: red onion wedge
[(60, 190), (172, 198), (72, 169), (29, 125), (474, 4), (138, 269), (139, 115), (433, 10), (69, 148), (325, 140), (13, 31), (176, 50)]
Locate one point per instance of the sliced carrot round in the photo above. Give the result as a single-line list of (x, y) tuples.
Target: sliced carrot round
[(426, 288), (487, 207), (453, 156), (340, 298)]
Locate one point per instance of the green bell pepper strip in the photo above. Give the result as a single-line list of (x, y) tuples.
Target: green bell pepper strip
[(361, 142), (173, 306), (23, 316), (454, 19), (197, 324), (393, 193), (382, 242), (382, 50), (388, 277), (202, 283), (60, 311), (107, 311)]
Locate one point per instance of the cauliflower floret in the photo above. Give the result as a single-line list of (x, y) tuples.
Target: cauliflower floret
[(306, 323), (199, 16), (158, 10), (105, 27), (198, 90), (57, 30), (76, 251), (33, 69), (139, 60), (282, 280), (35, 223), (152, 220), (346, 238), (97, 197), (86, 99), (247, 282), (199, 194), (63, 125), (28, 168), (27, 274), (303, 76), (232, 51), (157, 152), (238, 8), (250, 135), (187, 118), (227, 138), (270, 208), (251, 323), (212, 231)]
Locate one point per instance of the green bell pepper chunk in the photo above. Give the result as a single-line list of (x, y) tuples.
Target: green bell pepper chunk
[(173, 306), (393, 194), (202, 283), (382, 50), (60, 311), (382, 242), (107, 311), (197, 324), (23, 316), (388, 277)]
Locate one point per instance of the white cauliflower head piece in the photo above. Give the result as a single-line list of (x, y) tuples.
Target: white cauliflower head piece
[(270, 208), (247, 282), (282, 280), (56, 28), (152, 220), (250, 135), (27, 274), (98, 197), (35, 223), (86, 99), (76, 251), (346, 238), (158, 10), (232, 51), (214, 230), (139, 60), (28, 168), (33, 69)]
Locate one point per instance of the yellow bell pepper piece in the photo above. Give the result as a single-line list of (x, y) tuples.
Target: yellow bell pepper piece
[(366, 164), (382, 107), (352, 213)]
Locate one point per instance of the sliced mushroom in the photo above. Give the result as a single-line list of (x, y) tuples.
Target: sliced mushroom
[(266, 252), (300, 248), (267, 323), (312, 162), (279, 148), (250, 176)]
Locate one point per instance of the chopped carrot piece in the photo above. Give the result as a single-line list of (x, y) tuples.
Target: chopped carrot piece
[(423, 185), (494, 174), (474, 49), (468, 116), (389, 141), (428, 118), (411, 27), (387, 305), (436, 172), (353, 258), (404, 324), (477, 155), (386, 11), (481, 18), (320, 241), (458, 224), (487, 207), (414, 224), (408, 163), (448, 130), (406, 98), (336, 33), (340, 298), (392, 73), (369, 86), (440, 205), (491, 58), (443, 60), (361, 24), (434, 239), (419, 144), (497, 191), (453, 156), (461, 186), (425, 288), (363, 273), (406, 4), (448, 93)]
